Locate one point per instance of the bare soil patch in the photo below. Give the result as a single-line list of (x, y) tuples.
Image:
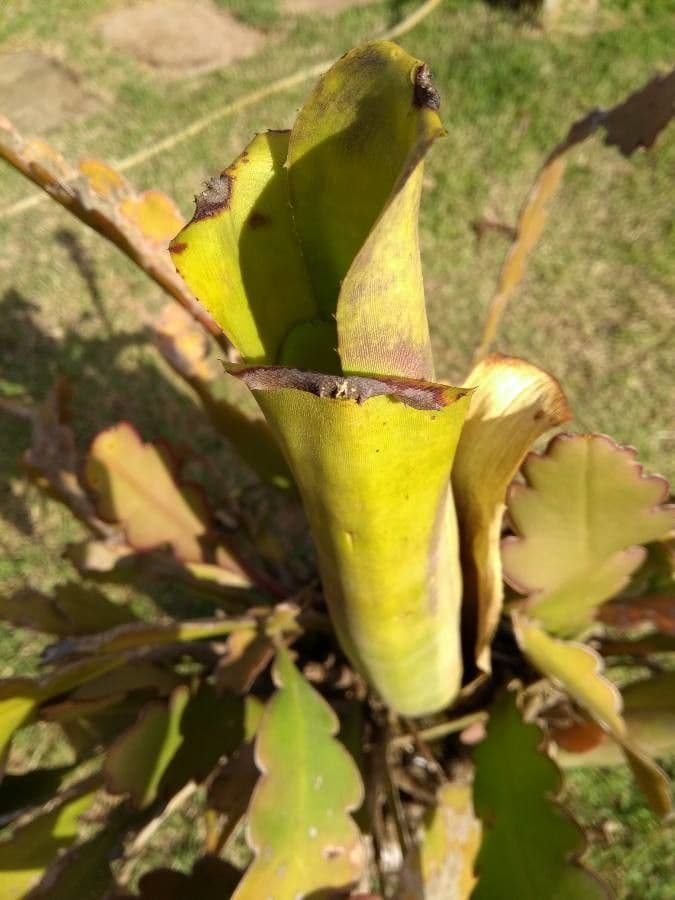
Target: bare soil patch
[(38, 93), (323, 7), (180, 37)]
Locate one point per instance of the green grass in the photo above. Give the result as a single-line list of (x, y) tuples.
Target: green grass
[(595, 308)]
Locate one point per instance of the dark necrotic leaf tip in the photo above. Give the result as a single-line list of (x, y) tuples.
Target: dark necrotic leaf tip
[(426, 94), (214, 198)]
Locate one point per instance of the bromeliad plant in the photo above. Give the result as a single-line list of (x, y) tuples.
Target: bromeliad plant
[(348, 772)]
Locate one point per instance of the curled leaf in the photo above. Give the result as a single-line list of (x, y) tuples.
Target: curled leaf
[(513, 404), (365, 472)]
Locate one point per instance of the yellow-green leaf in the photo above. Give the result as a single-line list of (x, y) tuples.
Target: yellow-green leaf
[(240, 256), (135, 485), (528, 843), (373, 472), (441, 866), (514, 404), (355, 173), (21, 697), (84, 871), (578, 669), (299, 827), (585, 507), (31, 848)]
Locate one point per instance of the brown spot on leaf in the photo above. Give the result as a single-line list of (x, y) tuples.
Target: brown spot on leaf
[(214, 198), (178, 247), (257, 220), (426, 94)]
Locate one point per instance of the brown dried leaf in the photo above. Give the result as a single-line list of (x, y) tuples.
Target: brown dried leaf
[(92, 194), (231, 789), (628, 612), (136, 486), (227, 402), (635, 122), (52, 460), (248, 654)]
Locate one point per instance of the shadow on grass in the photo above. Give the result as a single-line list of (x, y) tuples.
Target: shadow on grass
[(114, 375)]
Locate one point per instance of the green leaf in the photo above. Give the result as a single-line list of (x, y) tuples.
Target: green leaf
[(355, 173), (440, 866), (299, 826), (239, 253), (514, 404), (138, 759), (135, 485), (32, 847), (528, 841), (172, 743), (373, 473), (585, 507), (578, 669)]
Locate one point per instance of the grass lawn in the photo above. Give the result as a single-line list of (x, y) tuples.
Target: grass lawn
[(596, 307)]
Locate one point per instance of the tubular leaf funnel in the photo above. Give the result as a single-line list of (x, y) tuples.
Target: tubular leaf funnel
[(371, 452)]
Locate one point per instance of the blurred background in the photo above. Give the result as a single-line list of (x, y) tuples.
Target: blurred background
[(124, 81)]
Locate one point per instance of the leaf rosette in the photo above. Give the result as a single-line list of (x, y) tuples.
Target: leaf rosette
[(306, 252)]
